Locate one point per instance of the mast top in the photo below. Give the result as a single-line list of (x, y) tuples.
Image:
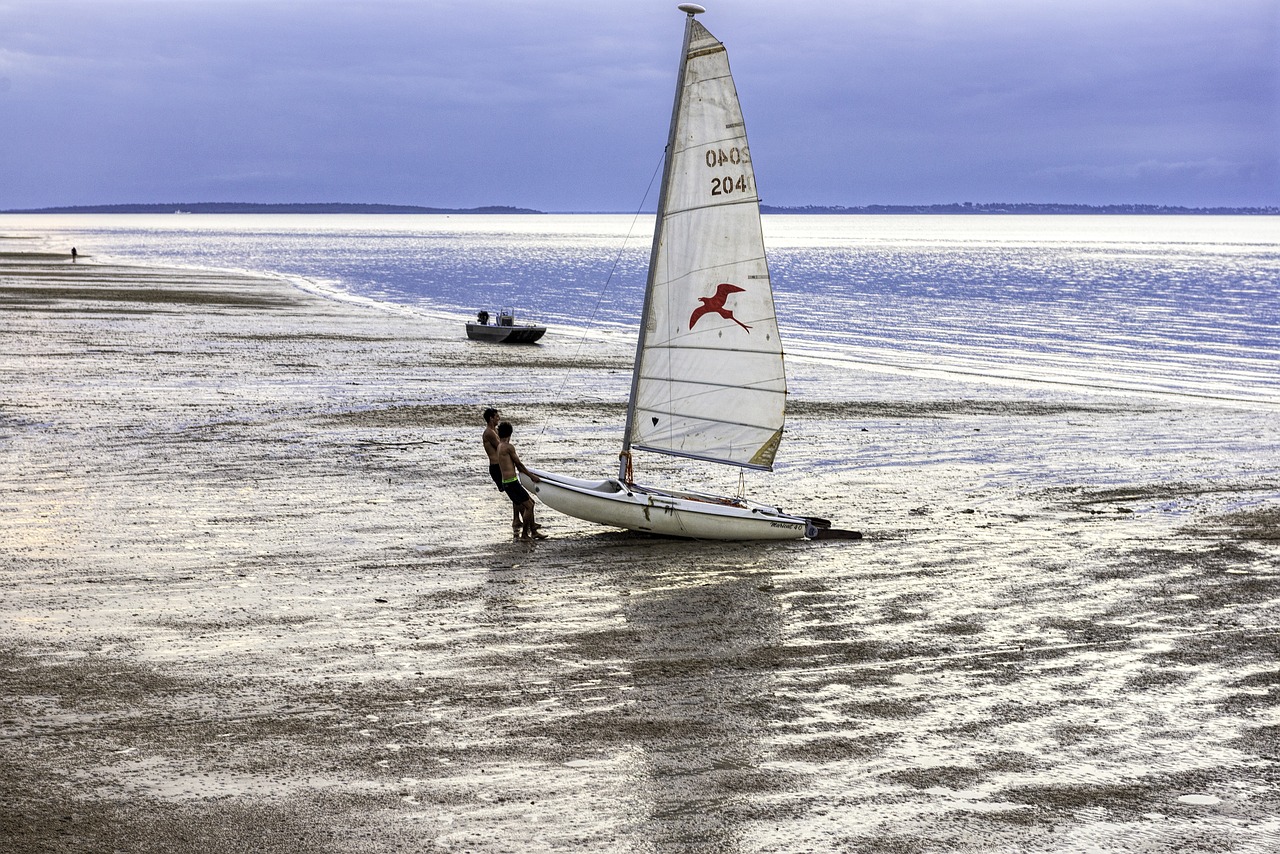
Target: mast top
[(691, 8)]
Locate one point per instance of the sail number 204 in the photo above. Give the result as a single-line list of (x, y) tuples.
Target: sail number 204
[(725, 159)]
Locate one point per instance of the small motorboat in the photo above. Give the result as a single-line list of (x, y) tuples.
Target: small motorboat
[(505, 331)]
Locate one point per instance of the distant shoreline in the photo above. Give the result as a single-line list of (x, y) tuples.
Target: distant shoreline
[(972, 209), (254, 207), (953, 209)]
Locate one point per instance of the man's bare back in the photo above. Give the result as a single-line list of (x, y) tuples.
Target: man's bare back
[(509, 462)]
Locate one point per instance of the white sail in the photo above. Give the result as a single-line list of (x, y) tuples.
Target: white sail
[(709, 379)]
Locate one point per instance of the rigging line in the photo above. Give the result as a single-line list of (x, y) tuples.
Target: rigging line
[(617, 259)]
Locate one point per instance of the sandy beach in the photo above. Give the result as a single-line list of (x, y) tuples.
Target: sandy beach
[(257, 593)]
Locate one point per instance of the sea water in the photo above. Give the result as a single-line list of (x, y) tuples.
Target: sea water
[(1162, 305)]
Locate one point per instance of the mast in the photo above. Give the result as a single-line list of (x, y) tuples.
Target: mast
[(690, 9)]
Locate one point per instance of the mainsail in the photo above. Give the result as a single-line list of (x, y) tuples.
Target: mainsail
[(709, 380)]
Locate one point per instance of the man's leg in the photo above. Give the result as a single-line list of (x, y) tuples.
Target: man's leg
[(531, 527)]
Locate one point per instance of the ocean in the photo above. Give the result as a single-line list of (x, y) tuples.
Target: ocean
[(1170, 306)]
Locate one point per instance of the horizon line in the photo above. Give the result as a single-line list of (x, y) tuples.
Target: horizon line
[(386, 208)]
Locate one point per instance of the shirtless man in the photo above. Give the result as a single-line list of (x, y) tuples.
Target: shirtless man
[(511, 469), (490, 440)]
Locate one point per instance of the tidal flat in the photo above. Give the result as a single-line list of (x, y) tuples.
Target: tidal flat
[(259, 594)]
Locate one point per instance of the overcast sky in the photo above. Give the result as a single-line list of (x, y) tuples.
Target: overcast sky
[(563, 106)]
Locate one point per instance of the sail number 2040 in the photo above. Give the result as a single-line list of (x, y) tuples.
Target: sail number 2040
[(728, 184)]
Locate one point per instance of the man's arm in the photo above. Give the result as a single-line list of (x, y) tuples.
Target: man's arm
[(515, 458)]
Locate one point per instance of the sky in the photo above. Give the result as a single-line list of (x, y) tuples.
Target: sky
[(561, 105)]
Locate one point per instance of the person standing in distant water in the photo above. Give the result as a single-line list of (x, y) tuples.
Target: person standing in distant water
[(490, 439), (512, 468), (73, 254)]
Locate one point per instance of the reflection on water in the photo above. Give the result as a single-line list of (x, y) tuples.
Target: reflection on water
[(701, 700), (671, 648), (1176, 305)]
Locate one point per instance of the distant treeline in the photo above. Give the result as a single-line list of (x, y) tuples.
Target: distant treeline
[(346, 208), (1013, 208), (252, 207)]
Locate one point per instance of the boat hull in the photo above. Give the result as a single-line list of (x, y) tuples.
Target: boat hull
[(519, 334), (666, 513)]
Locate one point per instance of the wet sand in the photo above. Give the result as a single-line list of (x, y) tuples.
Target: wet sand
[(257, 593)]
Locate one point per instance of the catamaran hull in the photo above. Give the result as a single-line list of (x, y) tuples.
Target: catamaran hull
[(671, 514)]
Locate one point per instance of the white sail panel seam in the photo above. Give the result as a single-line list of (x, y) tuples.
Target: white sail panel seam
[(705, 143), (687, 347), (672, 280), (765, 386), (691, 456), (745, 201), (748, 424)]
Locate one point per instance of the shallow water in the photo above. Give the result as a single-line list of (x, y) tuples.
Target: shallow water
[(1180, 306)]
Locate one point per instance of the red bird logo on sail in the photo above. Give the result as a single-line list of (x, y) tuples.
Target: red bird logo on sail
[(715, 305)]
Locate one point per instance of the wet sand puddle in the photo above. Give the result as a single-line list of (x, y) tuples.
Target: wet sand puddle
[(258, 593)]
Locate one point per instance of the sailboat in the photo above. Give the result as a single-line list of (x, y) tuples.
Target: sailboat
[(709, 381)]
